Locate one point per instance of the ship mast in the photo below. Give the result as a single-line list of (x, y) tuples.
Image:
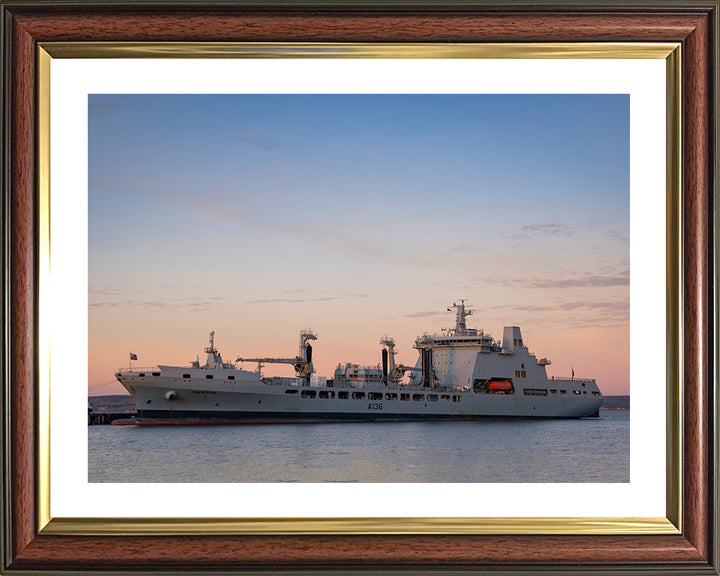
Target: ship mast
[(214, 360), (211, 349), (460, 314)]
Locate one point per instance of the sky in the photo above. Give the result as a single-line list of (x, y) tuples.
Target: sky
[(257, 216)]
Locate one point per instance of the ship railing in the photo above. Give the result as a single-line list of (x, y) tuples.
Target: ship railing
[(139, 369), (575, 379)]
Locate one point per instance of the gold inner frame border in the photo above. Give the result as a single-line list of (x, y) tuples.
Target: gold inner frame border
[(670, 524)]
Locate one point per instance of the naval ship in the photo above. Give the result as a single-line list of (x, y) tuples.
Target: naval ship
[(460, 374)]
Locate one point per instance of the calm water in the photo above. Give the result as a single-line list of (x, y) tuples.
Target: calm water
[(591, 450)]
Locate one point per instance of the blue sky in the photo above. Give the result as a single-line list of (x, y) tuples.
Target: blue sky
[(358, 215)]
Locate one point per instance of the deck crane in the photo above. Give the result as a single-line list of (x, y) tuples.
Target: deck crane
[(302, 362)]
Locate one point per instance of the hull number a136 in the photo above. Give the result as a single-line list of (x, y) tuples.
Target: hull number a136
[(375, 406)]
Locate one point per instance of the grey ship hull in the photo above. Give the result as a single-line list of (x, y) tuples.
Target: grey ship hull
[(194, 400)]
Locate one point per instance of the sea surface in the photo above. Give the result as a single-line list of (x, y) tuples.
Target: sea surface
[(586, 450)]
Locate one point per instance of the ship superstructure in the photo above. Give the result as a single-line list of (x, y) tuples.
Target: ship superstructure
[(463, 358), (460, 374)]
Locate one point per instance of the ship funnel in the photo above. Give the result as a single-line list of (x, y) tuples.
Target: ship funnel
[(426, 358), (385, 365), (512, 338), (388, 360)]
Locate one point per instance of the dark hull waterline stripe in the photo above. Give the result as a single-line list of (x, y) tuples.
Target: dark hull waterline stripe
[(163, 417)]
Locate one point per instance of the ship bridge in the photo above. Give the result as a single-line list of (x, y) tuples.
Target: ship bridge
[(461, 335), (458, 356)]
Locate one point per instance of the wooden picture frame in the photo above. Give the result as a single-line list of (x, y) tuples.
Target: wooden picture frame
[(28, 547)]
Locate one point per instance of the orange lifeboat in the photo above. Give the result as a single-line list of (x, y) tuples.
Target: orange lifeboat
[(500, 385)]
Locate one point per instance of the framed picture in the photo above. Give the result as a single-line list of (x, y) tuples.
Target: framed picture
[(166, 533)]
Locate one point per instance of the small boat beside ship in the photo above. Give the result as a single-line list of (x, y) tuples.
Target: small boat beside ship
[(460, 374)]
